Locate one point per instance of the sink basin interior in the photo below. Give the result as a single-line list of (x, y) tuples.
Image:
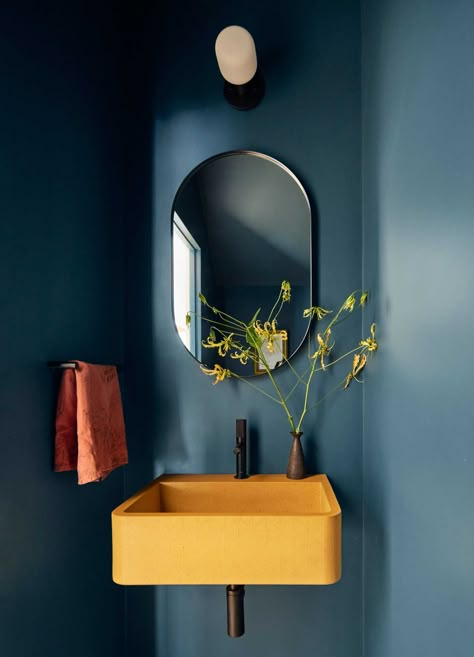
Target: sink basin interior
[(252, 496)]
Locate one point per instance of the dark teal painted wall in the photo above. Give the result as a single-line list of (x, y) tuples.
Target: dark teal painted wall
[(179, 422), (63, 192), (418, 100), (61, 273)]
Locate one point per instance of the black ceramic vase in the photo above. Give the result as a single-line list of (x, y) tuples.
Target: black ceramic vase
[(296, 469)]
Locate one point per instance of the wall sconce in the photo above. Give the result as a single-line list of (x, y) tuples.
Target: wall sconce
[(244, 86)]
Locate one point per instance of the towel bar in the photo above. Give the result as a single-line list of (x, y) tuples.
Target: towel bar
[(68, 364)]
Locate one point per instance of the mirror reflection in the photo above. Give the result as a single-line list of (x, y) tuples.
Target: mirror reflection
[(241, 224)]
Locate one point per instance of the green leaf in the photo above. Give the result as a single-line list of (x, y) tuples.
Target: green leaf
[(254, 318), (251, 337)]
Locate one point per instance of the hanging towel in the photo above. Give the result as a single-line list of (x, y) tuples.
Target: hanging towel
[(90, 430)]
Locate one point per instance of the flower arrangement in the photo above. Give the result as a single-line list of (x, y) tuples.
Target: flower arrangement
[(252, 340)]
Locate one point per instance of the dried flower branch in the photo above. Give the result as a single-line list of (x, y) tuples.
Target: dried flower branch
[(260, 337)]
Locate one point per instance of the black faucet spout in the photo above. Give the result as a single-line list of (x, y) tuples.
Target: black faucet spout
[(240, 449)]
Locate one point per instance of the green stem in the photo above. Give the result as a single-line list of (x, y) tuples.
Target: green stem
[(278, 311), (298, 383), (306, 409), (234, 321), (309, 337), (341, 310), (341, 320), (327, 394), (277, 389), (227, 333), (252, 385), (306, 395), (274, 306), (290, 366), (229, 327), (352, 351), (232, 326)]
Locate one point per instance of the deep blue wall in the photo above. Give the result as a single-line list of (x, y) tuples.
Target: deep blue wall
[(61, 273), (179, 422), (418, 100), (67, 130)]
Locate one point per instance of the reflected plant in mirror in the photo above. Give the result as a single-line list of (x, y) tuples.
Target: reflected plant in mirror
[(241, 222), (234, 339)]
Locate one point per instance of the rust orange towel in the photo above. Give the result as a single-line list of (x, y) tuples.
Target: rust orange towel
[(90, 431)]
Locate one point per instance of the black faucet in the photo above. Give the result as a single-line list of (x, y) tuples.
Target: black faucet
[(240, 449)]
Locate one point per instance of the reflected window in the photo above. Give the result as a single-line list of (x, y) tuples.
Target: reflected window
[(187, 281)]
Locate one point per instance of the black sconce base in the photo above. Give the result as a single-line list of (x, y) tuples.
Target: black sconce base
[(245, 96)]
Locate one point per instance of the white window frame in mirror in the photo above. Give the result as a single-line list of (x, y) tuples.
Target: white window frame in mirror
[(187, 283)]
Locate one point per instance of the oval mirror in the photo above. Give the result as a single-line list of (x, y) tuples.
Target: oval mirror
[(241, 224)]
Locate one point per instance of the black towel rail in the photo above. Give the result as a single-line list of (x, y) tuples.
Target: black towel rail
[(67, 364)]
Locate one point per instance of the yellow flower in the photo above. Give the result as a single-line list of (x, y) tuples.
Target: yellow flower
[(316, 311), (349, 303), (263, 331), (225, 345), (324, 349), (222, 346), (363, 298), (349, 378), (286, 290), (219, 372), (358, 363), (242, 355), (370, 343), (268, 333), (259, 329)]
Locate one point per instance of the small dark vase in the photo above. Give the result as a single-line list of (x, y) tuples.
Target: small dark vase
[(296, 469)]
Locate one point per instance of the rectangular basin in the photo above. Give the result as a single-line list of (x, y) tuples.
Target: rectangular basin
[(214, 529)]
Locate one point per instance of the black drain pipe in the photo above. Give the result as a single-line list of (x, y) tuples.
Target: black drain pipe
[(235, 610)]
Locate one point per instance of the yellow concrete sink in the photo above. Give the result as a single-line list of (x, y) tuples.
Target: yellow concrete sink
[(214, 529)]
